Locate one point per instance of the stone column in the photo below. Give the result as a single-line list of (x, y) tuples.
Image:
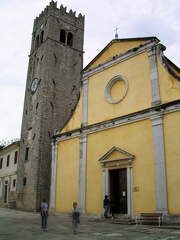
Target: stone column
[(105, 182), (159, 164), (129, 189), (82, 173), (154, 76), (53, 176)]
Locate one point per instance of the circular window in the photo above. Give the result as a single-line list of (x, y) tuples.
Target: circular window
[(116, 89)]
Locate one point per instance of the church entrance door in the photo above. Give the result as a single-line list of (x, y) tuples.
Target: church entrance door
[(118, 190)]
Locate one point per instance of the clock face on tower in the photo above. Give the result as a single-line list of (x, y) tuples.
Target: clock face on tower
[(34, 85)]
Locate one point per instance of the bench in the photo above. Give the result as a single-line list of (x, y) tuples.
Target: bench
[(150, 217)]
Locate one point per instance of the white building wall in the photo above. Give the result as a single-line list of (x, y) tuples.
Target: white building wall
[(8, 173)]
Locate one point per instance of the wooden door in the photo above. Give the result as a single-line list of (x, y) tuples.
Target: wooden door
[(118, 189)]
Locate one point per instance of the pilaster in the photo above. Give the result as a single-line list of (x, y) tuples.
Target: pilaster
[(53, 176), (154, 76), (159, 164), (129, 190), (84, 101), (82, 173), (105, 181)]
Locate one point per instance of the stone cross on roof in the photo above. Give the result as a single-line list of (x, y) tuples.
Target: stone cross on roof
[(116, 35)]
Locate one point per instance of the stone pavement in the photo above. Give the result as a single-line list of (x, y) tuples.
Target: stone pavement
[(18, 225)]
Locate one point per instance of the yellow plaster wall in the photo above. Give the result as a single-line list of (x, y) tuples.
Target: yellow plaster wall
[(136, 139), (136, 71), (76, 119), (172, 152), (67, 180), (169, 86), (115, 49)]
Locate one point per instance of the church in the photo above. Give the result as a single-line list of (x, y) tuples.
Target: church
[(111, 128), (123, 139)]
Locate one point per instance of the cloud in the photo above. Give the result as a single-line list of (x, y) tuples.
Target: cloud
[(158, 18)]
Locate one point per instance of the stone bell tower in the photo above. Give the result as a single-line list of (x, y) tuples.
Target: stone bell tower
[(52, 92)]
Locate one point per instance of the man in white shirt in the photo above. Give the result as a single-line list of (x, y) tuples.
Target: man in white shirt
[(44, 214)]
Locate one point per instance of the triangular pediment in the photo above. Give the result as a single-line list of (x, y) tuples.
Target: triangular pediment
[(116, 47), (116, 156)]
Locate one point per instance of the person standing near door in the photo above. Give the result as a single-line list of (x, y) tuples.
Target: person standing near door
[(112, 207), (106, 203)]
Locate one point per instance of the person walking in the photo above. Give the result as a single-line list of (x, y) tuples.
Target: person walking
[(106, 203), (75, 217), (44, 214)]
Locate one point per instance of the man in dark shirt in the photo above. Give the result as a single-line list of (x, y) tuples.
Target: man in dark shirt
[(106, 206)]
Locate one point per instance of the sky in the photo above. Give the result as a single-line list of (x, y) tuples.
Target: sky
[(142, 18)]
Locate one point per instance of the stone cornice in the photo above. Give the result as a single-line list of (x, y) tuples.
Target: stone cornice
[(148, 113), (165, 60)]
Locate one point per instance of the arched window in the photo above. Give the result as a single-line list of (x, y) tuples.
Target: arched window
[(62, 36), (37, 41), (70, 39), (41, 36)]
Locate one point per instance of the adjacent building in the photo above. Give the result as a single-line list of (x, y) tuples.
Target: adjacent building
[(8, 174)]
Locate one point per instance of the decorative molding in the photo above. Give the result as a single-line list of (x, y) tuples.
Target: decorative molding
[(110, 85), (127, 155), (163, 60), (154, 76), (120, 58), (120, 121), (124, 161), (127, 164), (85, 101)]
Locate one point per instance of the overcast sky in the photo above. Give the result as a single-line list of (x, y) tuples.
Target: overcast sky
[(142, 18)]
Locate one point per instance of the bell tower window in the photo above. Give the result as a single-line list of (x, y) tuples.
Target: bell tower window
[(24, 181), (62, 36), (26, 153), (37, 41), (70, 39), (41, 37)]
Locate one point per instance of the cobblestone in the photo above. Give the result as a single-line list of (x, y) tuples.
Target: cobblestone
[(18, 225)]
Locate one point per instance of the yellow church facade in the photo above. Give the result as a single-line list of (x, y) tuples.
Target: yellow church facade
[(123, 139)]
